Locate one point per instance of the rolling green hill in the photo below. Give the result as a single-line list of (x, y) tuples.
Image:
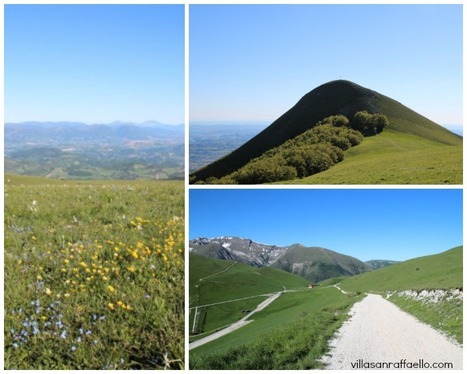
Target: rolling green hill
[(415, 142), (440, 271), (216, 281)]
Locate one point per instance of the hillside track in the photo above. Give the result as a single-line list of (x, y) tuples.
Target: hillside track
[(379, 332), (242, 322)]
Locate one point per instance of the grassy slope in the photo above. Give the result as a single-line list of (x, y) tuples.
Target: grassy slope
[(288, 309), (395, 158), (238, 282), (440, 271), (412, 150)]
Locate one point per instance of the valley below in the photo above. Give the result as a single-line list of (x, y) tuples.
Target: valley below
[(118, 151)]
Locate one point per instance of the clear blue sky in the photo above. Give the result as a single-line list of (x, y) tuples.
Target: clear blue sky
[(255, 62), (395, 224), (94, 63)]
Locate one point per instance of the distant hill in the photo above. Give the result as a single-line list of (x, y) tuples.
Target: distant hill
[(66, 133), (378, 264), (336, 97), (312, 263), (73, 150), (211, 141)]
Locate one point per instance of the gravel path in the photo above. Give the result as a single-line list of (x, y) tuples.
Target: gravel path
[(242, 322), (380, 332)]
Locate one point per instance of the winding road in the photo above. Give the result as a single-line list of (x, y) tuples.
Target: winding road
[(379, 332)]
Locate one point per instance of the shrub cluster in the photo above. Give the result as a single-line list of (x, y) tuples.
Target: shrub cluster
[(311, 152), (369, 124)]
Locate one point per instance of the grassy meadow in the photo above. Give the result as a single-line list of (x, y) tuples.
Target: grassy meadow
[(94, 274), (394, 158), (210, 283), (291, 333)]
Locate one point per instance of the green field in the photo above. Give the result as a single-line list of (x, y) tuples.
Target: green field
[(439, 271), (240, 281), (394, 158), (292, 333), (94, 274), (308, 317)]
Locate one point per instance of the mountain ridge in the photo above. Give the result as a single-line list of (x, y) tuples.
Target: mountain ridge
[(312, 263)]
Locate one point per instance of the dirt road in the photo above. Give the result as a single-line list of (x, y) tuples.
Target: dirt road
[(240, 323), (379, 332)]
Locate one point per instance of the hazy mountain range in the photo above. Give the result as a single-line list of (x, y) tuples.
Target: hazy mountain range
[(119, 150)]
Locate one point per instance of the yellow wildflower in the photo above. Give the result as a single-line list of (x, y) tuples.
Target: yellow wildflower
[(48, 292), (110, 306), (111, 289)]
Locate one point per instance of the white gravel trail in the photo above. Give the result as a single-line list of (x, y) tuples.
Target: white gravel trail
[(378, 331)]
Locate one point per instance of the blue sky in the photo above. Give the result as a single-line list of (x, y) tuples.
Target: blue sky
[(395, 224), (94, 63), (252, 62)]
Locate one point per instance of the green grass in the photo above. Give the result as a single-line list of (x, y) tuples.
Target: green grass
[(445, 315), (240, 281), (292, 333), (394, 158), (440, 271), (94, 274)]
